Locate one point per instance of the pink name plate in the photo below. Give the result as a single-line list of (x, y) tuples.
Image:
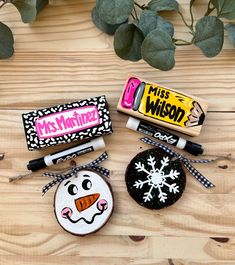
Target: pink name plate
[(60, 124)]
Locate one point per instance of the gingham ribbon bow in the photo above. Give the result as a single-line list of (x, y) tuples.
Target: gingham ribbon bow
[(57, 178), (186, 162)]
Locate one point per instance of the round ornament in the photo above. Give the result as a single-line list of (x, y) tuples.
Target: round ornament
[(154, 179), (83, 203)]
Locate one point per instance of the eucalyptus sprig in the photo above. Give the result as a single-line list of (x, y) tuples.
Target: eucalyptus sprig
[(28, 10), (141, 31)]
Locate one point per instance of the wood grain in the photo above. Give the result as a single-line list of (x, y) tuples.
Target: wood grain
[(63, 245), (66, 76), (62, 57), (74, 260)]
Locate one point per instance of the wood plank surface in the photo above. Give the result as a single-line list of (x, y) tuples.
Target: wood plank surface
[(62, 57)]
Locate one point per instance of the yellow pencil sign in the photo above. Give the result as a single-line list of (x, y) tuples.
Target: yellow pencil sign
[(166, 105), (162, 105)]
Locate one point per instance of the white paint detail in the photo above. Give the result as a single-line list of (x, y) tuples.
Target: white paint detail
[(181, 143), (156, 179), (63, 199), (132, 123)]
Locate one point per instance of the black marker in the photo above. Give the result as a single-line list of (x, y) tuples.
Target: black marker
[(160, 134), (66, 154)]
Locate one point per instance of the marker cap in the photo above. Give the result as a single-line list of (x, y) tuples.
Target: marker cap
[(193, 148), (36, 164), (98, 143), (132, 123)]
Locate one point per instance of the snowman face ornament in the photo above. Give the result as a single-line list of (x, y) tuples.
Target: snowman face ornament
[(83, 203)]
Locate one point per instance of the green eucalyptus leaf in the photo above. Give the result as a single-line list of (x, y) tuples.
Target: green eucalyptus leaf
[(127, 42), (114, 11), (41, 4), (158, 50), (100, 24), (163, 5), (230, 27), (149, 21), (27, 9), (209, 35), (225, 8), (6, 42)]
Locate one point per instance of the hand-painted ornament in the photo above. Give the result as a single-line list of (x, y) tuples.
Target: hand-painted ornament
[(154, 180), (83, 201)]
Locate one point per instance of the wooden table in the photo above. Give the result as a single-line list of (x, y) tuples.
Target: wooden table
[(62, 57)]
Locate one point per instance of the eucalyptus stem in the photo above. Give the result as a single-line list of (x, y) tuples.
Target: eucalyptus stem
[(209, 9), (185, 23), (140, 6), (3, 3), (136, 14), (133, 16), (184, 42), (191, 14)]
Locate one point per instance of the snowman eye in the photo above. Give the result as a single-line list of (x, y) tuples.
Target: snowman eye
[(86, 184), (72, 189)]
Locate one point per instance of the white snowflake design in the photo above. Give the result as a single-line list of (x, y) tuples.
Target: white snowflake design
[(156, 179)]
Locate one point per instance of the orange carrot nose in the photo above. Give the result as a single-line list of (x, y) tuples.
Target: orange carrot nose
[(87, 201)]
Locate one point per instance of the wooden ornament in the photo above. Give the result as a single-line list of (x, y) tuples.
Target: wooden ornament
[(83, 203), (154, 179)]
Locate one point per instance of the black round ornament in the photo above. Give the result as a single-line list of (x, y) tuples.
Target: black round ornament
[(154, 180)]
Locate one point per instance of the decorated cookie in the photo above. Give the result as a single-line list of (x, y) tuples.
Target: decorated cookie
[(154, 180), (83, 203)]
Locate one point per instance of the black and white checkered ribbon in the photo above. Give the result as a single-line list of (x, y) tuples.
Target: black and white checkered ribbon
[(186, 162), (57, 178)]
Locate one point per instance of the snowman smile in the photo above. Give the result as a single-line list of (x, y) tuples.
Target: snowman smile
[(67, 212)]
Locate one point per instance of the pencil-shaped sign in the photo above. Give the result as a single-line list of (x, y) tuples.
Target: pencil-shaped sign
[(162, 105)]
